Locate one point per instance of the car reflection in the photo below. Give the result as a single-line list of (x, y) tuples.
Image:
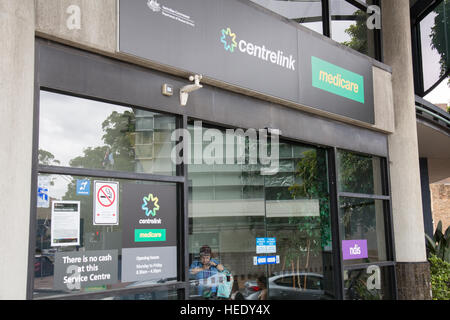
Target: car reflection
[(289, 286)]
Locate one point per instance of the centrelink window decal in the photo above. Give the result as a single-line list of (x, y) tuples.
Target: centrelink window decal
[(228, 39), (145, 205)]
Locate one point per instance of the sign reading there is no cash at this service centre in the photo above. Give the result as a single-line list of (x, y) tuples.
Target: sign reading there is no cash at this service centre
[(270, 55)]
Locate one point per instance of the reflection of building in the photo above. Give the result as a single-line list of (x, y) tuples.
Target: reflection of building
[(152, 142), (228, 207)]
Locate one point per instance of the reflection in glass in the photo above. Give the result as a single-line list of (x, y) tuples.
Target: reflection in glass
[(370, 283), (435, 44), (359, 173), (298, 216), (305, 12), (348, 26), (226, 214), (363, 219), (83, 133), (153, 295), (93, 238), (232, 205)]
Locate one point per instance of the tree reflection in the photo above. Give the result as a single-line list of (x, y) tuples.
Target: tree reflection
[(117, 153)]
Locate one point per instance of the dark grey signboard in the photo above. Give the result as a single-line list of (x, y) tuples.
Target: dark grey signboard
[(150, 219), (149, 238), (334, 79), (75, 270), (234, 42)]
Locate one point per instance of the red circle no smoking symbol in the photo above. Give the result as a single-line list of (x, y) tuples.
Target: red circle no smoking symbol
[(106, 196)]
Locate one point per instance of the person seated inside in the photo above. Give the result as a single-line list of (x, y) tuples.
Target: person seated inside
[(205, 268)]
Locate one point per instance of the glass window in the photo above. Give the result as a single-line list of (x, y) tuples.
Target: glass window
[(363, 212), (82, 133), (233, 207), (369, 283), (348, 26), (152, 295), (298, 216), (306, 12), (435, 44), (359, 173), (362, 225), (82, 248)]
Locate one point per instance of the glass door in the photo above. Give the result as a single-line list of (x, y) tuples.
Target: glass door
[(298, 219), (254, 235)]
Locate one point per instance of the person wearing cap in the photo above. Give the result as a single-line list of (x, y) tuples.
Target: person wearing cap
[(205, 268)]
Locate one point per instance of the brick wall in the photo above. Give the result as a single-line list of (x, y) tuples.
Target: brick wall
[(440, 204)]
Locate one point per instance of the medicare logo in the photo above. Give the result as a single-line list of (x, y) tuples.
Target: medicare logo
[(147, 201), (277, 57)]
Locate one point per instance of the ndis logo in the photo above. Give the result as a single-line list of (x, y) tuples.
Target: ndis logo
[(229, 41)]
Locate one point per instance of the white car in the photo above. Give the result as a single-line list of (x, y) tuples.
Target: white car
[(281, 287)]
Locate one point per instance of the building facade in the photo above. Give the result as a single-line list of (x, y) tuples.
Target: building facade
[(145, 135)]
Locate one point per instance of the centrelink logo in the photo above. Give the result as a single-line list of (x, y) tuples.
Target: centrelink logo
[(229, 42), (228, 39), (155, 206)]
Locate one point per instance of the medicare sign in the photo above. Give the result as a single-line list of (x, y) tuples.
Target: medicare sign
[(337, 80)]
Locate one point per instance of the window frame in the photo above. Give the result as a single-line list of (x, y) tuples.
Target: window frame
[(419, 12), (388, 222), (179, 179)]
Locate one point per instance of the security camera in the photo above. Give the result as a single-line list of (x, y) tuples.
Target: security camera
[(184, 92)]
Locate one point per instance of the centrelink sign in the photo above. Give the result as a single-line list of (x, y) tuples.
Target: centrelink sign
[(258, 51), (244, 45)]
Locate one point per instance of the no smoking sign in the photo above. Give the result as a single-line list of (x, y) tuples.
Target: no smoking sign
[(106, 199)]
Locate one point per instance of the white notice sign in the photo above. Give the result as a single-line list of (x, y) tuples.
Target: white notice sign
[(65, 226), (106, 199)]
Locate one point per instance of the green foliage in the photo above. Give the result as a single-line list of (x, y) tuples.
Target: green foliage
[(47, 158), (439, 245), (358, 33), (118, 151), (356, 287), (355, 173), (440, 35), (440, 278), (116, 154), (312, 170), (448, 108), (362, 293), (92, 158)]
